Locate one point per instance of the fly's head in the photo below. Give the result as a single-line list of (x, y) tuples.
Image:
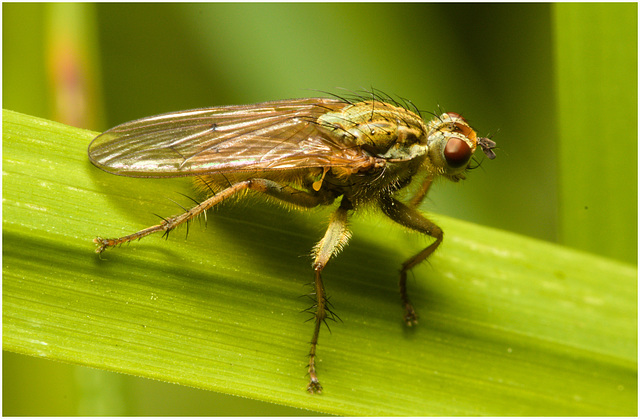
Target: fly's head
[(451, 143)]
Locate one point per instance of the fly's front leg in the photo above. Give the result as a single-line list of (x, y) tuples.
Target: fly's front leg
[(269, 187), (334, 240), (417, 199), (412, 218)]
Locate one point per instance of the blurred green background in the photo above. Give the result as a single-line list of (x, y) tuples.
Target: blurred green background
[(556, 85)]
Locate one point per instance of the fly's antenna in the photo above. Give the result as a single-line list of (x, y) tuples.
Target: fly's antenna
[(487, 146)]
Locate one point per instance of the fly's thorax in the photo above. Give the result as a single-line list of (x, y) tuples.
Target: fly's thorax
[(380, 129), (451, 143)]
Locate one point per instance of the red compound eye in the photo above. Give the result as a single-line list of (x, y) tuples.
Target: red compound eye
[(457, 152)]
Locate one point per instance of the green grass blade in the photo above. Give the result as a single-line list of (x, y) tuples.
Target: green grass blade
[(597, 88), (509, 325)]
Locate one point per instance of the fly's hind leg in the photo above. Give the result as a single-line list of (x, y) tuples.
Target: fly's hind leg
[(269, 187), (334, 240), (412, 218)]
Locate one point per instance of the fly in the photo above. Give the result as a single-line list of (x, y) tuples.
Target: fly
[(304, 153)]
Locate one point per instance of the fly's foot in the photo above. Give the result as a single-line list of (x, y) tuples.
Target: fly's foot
[(103, 244), (410, 315), (314, 386)]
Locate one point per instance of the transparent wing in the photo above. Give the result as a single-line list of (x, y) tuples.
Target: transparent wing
[(267, 136)]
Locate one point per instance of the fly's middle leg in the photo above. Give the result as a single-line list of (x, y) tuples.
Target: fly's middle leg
[(412, 218), (335, 238)]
